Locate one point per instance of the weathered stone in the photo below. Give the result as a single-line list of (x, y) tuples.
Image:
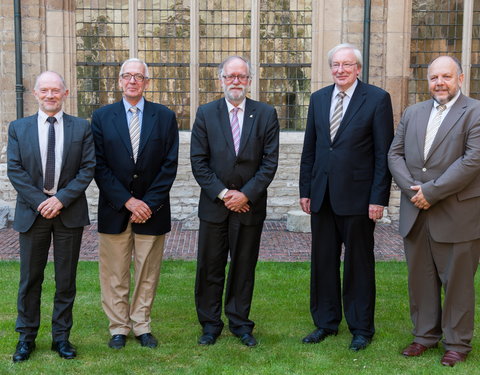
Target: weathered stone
[(298, 221)]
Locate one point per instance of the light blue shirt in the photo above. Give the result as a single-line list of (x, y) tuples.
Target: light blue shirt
[(140, 105)]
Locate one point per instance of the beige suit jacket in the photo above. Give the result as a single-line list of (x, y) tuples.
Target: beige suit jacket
[(449, 176)]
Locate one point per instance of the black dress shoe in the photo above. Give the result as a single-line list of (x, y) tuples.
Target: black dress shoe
[(23, 351), (359, 342), (148, 340), (248, 339), (207, 339), (64, 349), (317, 336), (117, 341)]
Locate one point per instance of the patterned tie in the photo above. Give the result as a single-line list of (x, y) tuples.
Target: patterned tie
[(49, 181), (337, 115), (235, 129), (432, 129), (134, 131)]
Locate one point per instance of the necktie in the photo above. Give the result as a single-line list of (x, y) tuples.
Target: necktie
[(134, 131), (49, 181), (337, 115), (235, 129), (432, 129)]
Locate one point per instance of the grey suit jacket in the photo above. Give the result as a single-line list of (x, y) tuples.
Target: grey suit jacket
[(449, 176), (216, 167), (26, 175)]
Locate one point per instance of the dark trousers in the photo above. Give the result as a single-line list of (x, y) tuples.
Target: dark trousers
[(214, 242), (34, 246), (329, 231)]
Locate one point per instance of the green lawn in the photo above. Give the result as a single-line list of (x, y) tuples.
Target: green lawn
[(280, 310)]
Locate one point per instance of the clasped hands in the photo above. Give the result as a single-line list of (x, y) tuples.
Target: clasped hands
[(419, 199), (139, 209), (236, 201), (50, 207)]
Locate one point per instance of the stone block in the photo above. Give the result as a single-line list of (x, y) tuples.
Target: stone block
[(298, 221), (6, 216)]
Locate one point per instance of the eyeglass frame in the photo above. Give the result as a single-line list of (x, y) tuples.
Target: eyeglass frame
[(242, 78), (138, 77), (345, 66)]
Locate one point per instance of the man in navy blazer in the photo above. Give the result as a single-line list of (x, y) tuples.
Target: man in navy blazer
[(234, 154), (51, 162), (344, 185), (136, 144)]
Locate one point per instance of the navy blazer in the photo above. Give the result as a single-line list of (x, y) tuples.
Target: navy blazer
[(353, 166), (216, 167), (149, 179), (26, 174)]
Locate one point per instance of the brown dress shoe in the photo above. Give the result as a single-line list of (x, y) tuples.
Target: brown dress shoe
[(450, 358), (414, 350)]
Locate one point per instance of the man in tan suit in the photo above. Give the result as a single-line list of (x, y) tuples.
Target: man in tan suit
[(435, 161)]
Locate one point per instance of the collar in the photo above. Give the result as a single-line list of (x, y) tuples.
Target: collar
[(140, 105), (230, 106), (349, 91), (450, 103), (42, 116)]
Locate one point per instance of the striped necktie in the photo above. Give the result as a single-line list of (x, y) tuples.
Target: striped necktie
[(235, 129), (432, 129), (134, 131), (337, 115)]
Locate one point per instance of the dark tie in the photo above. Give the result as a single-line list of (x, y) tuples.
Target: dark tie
[(50, 166)]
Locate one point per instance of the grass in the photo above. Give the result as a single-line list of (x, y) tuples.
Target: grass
[(280, 310)]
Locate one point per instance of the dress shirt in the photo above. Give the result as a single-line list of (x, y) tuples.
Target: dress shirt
[(346, 100), (445, 112), (140, 105), (43, 126)]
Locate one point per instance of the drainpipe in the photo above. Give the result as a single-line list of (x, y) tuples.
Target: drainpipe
[(366, 40), (19, 89)]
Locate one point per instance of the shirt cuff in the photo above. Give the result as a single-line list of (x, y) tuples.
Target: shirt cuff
[(222, 194)]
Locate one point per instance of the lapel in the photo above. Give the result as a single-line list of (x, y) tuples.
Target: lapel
[(148, 122), (455, 113), (325, 104), (33, 132), (358, 99), (224, 118), (421, 125), (67, 138), (119, 123), (248, 121)]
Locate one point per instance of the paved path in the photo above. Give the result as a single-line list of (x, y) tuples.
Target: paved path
[(277, 243)]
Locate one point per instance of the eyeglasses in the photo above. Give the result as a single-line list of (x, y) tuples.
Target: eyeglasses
[(138, 77), (345, 66), (241, 78)]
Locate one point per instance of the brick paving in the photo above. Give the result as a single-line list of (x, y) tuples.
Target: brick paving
[(277, 243)]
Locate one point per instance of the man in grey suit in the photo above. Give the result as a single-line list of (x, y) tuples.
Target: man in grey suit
[(435, 161), (51, 161), (234, 155)]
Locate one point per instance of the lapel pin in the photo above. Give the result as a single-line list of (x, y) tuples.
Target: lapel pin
[(251, 116)]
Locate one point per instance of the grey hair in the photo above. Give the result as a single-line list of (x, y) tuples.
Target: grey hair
[(356, 51), (454, 59), (134, 59), (230, 58), (49, 71)]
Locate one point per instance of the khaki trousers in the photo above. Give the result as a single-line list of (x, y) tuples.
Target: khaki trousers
[(115, 257)]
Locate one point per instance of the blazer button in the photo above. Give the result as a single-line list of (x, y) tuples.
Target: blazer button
[(135, 176), (424, 169), (331, 148)]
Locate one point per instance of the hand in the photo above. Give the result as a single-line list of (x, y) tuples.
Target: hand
[(236, 201), (419, 199), (375, 212), (50, 207), (139, 209), (305, 205)]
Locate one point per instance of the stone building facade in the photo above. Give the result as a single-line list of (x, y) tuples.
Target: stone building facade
[(49, 43)]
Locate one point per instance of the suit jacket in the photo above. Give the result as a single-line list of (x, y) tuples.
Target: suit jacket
[(26, 174), (449, 176), (353, 166), (118, 176), (216, 167)]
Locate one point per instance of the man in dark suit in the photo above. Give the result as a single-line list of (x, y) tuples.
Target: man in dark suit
[(136, 143), (344, 185), (234, 155), (51, 162), (435, 161)]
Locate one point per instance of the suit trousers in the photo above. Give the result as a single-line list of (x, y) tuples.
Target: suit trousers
[(214, 242), (329, 231), (115, 257), (34, 248), (431, 266)]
